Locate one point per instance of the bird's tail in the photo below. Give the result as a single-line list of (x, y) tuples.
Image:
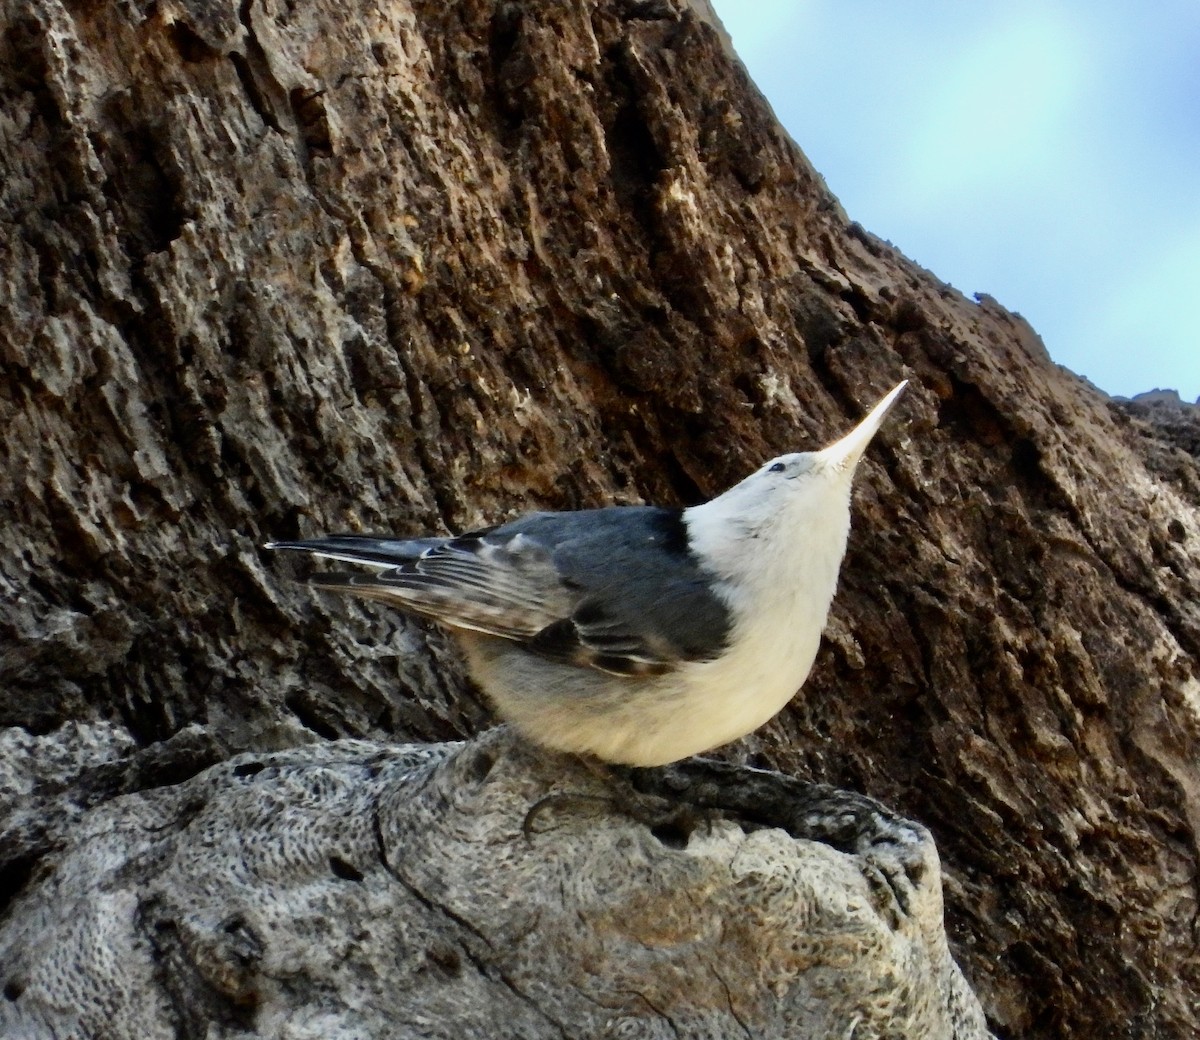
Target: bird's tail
[(380, 553), (453, 586)]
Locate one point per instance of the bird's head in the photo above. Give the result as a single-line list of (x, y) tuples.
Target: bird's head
[(803, 486)]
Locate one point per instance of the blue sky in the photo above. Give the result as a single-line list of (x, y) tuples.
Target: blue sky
[(1046, 153)]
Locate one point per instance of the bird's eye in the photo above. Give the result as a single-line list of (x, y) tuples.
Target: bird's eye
[(777, 467)]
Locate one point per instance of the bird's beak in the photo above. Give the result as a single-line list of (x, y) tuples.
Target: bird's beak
[(844, 454)]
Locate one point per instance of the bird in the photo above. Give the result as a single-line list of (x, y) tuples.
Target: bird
[(638, 635)]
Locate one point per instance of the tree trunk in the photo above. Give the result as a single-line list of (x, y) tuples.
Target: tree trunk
[(274, 270)]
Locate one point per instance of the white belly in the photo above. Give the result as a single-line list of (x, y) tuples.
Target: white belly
[(725, 700), (649, 721)]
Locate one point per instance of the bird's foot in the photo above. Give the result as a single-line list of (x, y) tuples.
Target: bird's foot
[(670, 820)]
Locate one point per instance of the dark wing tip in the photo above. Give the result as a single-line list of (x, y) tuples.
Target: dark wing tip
[(563, 641), (630, 667)]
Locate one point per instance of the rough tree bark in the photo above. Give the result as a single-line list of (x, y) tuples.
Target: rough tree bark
[(275, 269)]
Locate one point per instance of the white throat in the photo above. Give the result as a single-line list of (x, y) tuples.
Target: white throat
[(772, 557)]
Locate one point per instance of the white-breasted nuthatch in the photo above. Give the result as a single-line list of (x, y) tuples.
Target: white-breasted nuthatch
[(637, 634)]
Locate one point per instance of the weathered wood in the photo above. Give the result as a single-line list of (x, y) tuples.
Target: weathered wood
[(351, 889)]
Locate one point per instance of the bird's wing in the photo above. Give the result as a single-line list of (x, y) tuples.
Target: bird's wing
[(613, 589), (608, 633), (503, 586)]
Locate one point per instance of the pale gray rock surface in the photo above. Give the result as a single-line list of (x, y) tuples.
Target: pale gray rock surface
[(362, 890)]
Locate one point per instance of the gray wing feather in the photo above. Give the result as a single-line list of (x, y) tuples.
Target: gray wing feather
[(614, 589), (504, 587)]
